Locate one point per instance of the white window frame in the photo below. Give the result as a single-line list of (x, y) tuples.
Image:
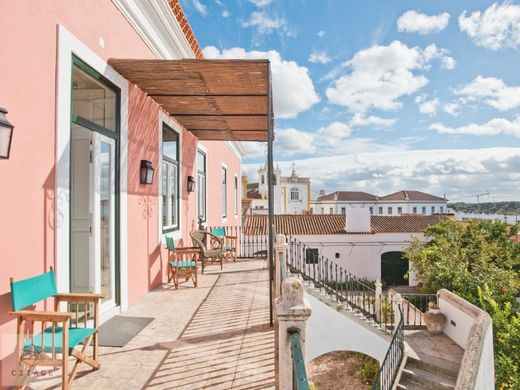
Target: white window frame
[(204, 151), (173, 180), (177, 233), (292, 191), (236, 186), (223, 192)]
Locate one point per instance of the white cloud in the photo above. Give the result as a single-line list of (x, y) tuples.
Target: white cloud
[(452, 108), (412, 21), (226, 14), (493, 91), (493, 127), (380, 75), (201, 8), (261, 3), (335, 130), (454, 172), (267, 24), (293, 90), (447, 62), (292, 141), (371, 120), (427, 107), (322, 58), (321, 33), (497, 27), (432, 52), (254, 149)]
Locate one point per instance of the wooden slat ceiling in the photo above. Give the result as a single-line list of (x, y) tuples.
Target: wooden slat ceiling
[(225, 100)]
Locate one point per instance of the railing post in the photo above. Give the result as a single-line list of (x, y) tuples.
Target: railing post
[(292, 313), (280, 253), (398, 303), (379, 293)]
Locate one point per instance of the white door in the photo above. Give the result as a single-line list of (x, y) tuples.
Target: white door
[(80, 211), (93, 215), (103, 218)]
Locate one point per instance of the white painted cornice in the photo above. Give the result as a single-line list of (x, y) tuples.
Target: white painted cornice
[(155, 22), (237, 148)]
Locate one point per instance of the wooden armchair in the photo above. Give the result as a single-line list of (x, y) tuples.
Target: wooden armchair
[(211, 247), (229, 242), (60, 332), (181, 260)]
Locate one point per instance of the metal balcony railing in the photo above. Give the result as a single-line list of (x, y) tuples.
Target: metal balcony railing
[(388, 371)]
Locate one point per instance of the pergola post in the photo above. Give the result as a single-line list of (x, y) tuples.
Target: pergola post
[(270, 194)]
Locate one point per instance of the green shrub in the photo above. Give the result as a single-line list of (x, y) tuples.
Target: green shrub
[(369, 369)]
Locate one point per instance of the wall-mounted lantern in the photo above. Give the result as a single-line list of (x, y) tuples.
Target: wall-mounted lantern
[(6, 134), (191, 184), (146, 176)]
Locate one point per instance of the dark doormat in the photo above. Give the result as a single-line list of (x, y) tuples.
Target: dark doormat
[(119, 330)]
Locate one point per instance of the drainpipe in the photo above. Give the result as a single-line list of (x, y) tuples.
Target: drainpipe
[(270, 195)]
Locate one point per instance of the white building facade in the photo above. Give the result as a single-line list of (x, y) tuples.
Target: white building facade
[(366, 246), (398, 203), (291, 194)]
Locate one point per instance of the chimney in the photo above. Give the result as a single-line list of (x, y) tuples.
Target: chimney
[(358, 220)]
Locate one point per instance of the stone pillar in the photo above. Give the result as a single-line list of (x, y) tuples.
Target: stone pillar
[(292, 313), (280, 253), (379, 293), (398, 302)]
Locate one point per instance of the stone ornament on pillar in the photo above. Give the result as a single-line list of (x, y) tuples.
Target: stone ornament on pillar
[(292, 313)]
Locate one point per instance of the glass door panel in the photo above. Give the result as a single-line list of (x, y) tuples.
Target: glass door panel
[(104, 217)]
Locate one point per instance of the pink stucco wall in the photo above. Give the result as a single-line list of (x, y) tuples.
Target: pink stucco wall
[(219, 153), (28, 91), (27, 186)]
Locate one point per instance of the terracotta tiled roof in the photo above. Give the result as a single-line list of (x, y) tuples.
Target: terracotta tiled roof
[(253, 194), (405, 223), (256, 225), (326, 224), (349, 196), (419, 196), (252, 186), (175, 5)]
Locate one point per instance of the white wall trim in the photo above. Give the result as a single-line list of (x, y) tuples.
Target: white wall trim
[(68, 45), (236, 195), (156, 24), (175, 126), (204, 150), (236, 148)]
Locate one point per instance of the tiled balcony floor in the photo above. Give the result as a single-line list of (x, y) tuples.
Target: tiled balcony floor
[(215, 336)]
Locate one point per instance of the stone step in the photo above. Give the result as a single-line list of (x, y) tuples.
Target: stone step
[(436, 365), (407, 385), (426, 378)]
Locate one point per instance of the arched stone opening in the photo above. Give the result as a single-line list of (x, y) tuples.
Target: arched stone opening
[(394, 269)]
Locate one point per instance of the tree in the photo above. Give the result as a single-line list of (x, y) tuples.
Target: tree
[(479, 262)]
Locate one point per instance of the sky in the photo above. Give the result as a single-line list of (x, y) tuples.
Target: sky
[(379, 95)]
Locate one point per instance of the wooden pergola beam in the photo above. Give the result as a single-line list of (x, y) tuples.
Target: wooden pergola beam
[(214, 99)]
